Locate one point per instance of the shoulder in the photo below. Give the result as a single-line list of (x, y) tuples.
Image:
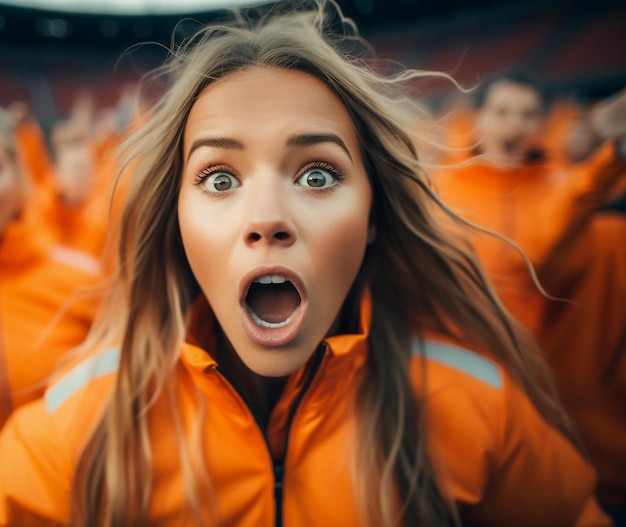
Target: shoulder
[(81, 379), (481, 427), (444, 373), (450, 361), (42, 441)]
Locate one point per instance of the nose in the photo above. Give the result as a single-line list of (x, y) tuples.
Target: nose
[(269, 220)]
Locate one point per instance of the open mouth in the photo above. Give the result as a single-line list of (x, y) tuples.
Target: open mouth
[(272, 301)]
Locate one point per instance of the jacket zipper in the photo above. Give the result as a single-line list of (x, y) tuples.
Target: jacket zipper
[(279, 467)]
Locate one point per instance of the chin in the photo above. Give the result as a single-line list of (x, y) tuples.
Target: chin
[(277, 362)]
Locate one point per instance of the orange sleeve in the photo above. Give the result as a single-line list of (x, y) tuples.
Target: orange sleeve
[(588, 186), (34, 476), (499, 461), (540, 477), (34, 152)]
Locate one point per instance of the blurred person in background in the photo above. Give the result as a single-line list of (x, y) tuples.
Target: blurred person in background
[(83, 209), (549, 209), (73, 169), (39, 319)]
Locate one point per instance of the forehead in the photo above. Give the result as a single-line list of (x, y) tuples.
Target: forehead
[(264, 100), (508, 93)]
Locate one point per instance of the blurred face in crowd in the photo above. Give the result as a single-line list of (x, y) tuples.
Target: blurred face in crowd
[(11, 188), (274, 211), (510, 122), (75, 172)]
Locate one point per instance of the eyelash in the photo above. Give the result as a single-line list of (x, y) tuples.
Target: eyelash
[(205, 173), (332, 170)]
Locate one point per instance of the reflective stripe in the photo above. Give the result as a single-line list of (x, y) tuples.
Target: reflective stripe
[(76, 259), (97, 366), (462, 360)]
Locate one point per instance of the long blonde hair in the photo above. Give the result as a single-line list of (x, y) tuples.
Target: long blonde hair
[(421, 279)]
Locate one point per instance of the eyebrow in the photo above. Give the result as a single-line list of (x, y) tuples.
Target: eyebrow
[(216, 142), (315, 139), (295, 140)]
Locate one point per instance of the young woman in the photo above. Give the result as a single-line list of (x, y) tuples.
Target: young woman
[(292, 339)]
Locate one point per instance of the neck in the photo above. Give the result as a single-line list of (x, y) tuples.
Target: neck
[(261, 393)]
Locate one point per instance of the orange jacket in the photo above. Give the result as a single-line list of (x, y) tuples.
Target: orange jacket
[(37, 279), (540, 207), (34, 154), (585, 344), (492, 452), (551, 215)]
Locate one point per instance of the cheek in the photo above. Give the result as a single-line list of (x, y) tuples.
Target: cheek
[(202, 239), (488, 128), (535, 128), (344, 243)]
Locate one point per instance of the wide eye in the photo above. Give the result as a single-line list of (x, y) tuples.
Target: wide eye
[(316, 177), (220, 182)]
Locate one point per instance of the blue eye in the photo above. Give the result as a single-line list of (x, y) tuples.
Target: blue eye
[(220, 182), (317, 177)]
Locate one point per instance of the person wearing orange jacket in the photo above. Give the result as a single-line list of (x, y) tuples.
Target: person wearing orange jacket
[(74, 186), (84, 173), (291, 338), (549, 211), (38, 321)]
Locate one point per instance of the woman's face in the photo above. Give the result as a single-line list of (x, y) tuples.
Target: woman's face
[(274, 211)]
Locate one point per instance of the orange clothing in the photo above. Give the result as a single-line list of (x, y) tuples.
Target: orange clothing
[(561, 118), (492, 452), (537, 206), (34, 153), (592, 328), (550, 215), (35, 158), (85, 226), (36, 280)]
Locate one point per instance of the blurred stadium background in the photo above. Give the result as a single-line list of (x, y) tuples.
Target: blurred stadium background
[(48, 55)]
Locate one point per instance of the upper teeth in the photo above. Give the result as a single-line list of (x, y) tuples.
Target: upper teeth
[(271, 279)]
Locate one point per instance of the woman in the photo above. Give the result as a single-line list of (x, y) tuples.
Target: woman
[(282, 345)]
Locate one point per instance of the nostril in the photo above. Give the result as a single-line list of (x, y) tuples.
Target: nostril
[(276, 237)]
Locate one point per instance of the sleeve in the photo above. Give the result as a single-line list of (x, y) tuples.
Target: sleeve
[(539, 477), (569, 215), (496, 457), (35, 477)]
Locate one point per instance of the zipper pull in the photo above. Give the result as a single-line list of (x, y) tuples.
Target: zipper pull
[(278, 492)]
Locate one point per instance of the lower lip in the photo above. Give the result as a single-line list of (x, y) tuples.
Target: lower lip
[(273, 337)]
